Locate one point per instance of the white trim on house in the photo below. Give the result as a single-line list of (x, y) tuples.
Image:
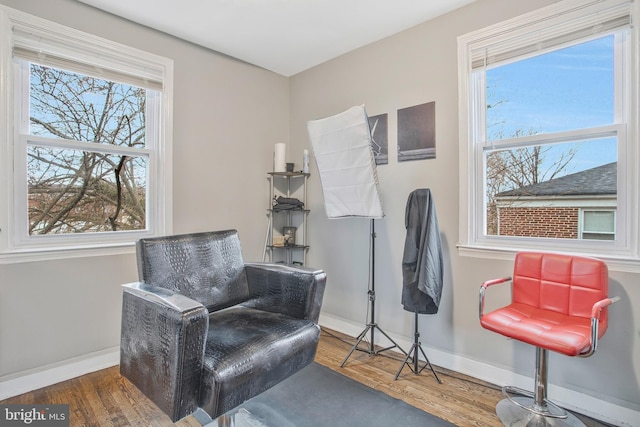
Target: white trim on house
[(557, 202)]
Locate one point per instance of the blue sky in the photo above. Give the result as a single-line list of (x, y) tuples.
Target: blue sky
[(562, 90)]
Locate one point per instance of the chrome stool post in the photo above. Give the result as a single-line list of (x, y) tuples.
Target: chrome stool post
[(533, 409)]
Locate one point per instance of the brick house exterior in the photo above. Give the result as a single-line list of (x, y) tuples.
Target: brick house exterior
[(551, 222), (556, 208)]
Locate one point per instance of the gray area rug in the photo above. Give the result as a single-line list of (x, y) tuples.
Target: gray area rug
[(319, 397)]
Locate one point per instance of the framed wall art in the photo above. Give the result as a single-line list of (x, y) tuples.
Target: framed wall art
[(417, 132), (379, 138)]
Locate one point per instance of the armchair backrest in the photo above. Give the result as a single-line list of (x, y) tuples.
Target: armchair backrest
[(566, 284), (207, 267)]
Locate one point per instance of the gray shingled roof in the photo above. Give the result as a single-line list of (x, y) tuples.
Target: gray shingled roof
[(600, 180)]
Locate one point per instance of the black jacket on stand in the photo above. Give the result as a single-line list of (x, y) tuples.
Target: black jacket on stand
[(422, 263)]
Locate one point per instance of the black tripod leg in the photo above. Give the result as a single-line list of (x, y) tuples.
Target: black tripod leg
[(390, 339), (430, 367), (414, 349), (355, 347), (405, 362)]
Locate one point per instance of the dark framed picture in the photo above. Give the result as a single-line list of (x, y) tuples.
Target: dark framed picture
[(289, 234), (417, 132)]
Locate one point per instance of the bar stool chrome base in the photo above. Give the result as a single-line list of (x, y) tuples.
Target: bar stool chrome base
[(523, 408), (521, 411)]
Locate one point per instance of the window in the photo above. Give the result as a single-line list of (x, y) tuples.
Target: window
[(547, 140), (598, 225), (86, 162), (88, 141)]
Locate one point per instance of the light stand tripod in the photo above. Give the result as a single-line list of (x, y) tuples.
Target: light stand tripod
[(413, 355), (372, 325)]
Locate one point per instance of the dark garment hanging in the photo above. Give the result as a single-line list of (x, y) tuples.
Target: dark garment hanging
[(422, 263)]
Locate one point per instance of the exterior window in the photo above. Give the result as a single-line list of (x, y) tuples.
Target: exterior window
[(86, 163), (545, 136), (554, 107), (598, 225), (86, 156)]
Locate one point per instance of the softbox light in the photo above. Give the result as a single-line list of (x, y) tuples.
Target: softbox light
[(342, 148)]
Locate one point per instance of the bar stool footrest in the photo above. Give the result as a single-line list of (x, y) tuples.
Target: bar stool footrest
[(519, 409), (548, 409)]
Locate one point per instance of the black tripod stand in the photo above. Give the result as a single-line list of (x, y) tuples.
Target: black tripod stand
[(413, 355), (372, 325)]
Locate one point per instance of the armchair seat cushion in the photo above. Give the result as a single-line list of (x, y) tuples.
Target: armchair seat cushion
[(547, 329), (250, 350)]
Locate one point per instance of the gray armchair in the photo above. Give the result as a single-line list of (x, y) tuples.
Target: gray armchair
[(202, 329)]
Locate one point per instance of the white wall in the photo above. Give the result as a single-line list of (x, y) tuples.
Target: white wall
[(414, 67), (227, 117)]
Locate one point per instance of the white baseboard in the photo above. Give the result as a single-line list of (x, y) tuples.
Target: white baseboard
[(33, 379), (579, 402)]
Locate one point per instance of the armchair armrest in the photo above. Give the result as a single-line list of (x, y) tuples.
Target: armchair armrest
[(483, 289), (595, 322), (290, 290), (598, 306), (162, 346), (162, 296)]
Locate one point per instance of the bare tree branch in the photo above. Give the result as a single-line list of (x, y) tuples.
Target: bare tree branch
[(75, 190)]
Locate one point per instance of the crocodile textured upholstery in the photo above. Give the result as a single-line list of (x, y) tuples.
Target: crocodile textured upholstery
[(205, 330)]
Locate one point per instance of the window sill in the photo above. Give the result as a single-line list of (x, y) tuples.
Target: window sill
[(49, 254), (614, 262)]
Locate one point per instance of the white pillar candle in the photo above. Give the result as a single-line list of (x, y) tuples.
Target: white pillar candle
[(279, 157)]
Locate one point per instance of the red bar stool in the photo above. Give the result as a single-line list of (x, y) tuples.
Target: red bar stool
[(559, 303)]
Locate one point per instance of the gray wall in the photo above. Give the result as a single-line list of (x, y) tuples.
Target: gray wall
[(414, 67), (227, 117)]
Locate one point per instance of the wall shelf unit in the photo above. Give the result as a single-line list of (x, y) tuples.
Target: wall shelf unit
[(287, 230)]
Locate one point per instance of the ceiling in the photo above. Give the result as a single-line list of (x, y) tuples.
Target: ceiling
[(284, 36)]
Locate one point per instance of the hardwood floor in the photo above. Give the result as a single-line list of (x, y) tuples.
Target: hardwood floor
[(104, 398)]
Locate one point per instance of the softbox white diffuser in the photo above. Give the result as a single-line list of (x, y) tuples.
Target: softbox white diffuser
[(342, 148)]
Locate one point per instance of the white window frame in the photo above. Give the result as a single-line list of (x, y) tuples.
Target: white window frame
[(19, 30), (559, 22)]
